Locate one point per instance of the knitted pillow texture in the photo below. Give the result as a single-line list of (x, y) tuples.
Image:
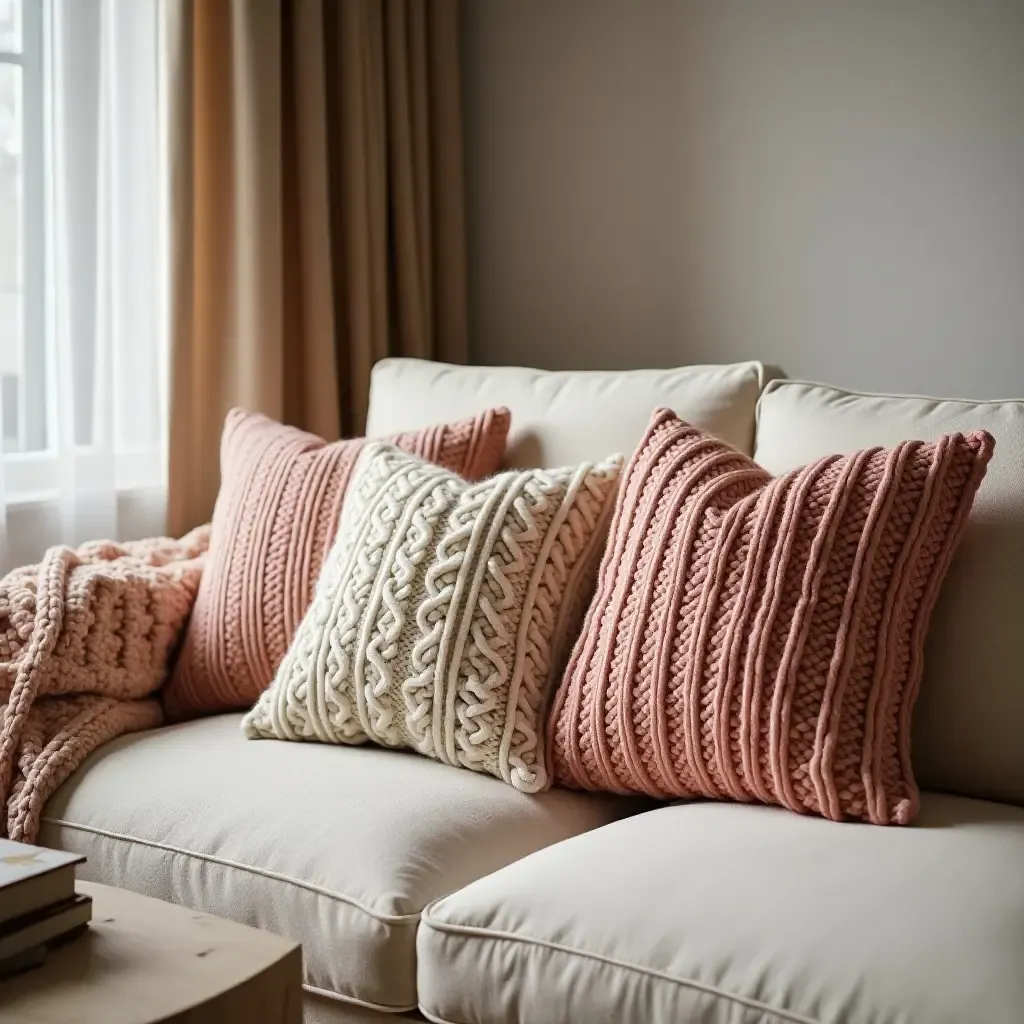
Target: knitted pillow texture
[(445, 613), (761, 639), (276, 515)]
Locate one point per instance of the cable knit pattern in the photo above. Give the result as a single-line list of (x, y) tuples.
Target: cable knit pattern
[(85, 638), (276, 515), (444, 613), (762, 639)]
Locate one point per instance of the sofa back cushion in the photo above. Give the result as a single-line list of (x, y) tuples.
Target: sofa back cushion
[(969, 719), (564, 417)]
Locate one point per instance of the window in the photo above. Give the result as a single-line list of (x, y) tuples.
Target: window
[(22, 348), (82, 259)]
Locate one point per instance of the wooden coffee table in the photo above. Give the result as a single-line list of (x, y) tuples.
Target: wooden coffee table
[(144, 960)]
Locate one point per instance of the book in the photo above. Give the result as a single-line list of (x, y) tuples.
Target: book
[(44, 927), (24, 961), (32, 877)]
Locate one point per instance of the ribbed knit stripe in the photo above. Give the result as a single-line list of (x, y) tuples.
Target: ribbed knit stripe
[(762, 639)]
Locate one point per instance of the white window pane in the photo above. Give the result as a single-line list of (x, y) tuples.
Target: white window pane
[(11, 276), (34, 182), (132, 81), (77, 257), (10, 26)]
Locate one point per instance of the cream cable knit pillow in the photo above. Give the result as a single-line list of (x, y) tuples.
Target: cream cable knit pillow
[(444, 613)]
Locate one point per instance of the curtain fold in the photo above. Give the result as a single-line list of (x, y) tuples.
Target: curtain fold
[(316, 217)]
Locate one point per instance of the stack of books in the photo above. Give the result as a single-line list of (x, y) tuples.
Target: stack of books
[(38, 905)]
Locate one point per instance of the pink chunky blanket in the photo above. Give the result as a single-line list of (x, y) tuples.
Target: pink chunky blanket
[(85, 638)]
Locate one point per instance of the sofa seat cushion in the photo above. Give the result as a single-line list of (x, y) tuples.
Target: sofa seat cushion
[(730, 913), (564, 416), (339, 848)]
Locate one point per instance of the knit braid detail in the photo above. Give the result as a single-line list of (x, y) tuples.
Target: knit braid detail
[(762, 639), (444, 613)]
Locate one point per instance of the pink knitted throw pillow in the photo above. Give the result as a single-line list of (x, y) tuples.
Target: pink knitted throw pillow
[(275, 519), (761, 639)]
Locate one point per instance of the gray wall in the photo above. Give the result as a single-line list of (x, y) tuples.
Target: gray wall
[(834, 187)]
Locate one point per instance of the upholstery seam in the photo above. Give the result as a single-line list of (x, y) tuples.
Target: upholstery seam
[(340, 997), (393, 919), (434, 1018), (777, 383), (488, 933)]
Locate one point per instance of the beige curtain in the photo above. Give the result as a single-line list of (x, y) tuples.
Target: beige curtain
[(316, 213)]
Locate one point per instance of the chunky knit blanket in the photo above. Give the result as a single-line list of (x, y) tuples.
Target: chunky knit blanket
[(85, 638)]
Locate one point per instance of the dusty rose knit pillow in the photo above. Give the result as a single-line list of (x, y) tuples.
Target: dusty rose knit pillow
[(761, 639), (276, 515)]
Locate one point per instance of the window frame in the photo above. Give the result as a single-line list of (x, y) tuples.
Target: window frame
[(32, 435)]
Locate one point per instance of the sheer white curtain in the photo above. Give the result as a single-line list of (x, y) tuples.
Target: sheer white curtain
[(88, 460)]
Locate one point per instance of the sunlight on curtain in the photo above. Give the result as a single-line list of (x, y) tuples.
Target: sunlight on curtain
[(83, 354)]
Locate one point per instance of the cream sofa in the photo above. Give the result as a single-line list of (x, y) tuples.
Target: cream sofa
[(417, 889)]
